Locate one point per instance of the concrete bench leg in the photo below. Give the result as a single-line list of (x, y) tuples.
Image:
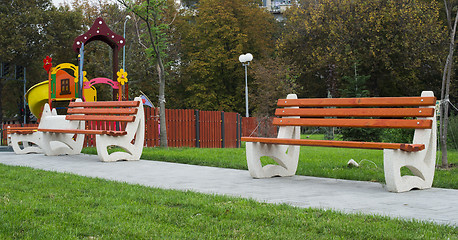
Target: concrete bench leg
[(131, 151), (62, 143), (421, 164), (132, 143), (31, 143), (286, 156)]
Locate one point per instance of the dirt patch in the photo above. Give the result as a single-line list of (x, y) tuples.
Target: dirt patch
[(450, 166)]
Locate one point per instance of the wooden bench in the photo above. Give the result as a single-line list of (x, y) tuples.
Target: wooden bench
[(392, 112), (64, 134), (24, 140)]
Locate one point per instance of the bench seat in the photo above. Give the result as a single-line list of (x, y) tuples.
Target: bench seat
[(342, 144), (24, 140), (85, 131)]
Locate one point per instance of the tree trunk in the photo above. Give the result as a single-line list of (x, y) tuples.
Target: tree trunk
[(163, 133), (445, 93)]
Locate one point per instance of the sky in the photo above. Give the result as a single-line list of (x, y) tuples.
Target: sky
[(57, 2)]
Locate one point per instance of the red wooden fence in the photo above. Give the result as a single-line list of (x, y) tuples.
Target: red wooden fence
[(258, 127), (190, 128)]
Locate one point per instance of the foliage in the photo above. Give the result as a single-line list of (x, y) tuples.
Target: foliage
[(36, 204), (31, 30), (273, 79), (355, 86), (155, 43), (361, 134), (398, 44), (397, 135), (452, 139), (212, 38)]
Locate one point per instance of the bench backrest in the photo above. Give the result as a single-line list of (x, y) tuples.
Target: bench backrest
[(119, 111), (381, 112), (108, 115)]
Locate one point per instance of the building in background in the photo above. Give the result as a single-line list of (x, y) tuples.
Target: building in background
[(277, 6), (273, 6)]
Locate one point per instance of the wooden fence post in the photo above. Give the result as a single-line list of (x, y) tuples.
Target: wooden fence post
[(196, 114), (223, 140)]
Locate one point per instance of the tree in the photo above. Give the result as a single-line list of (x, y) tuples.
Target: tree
[(273, 79), (355, 86), (398, 44), (446, 78), (30, 31), (212, 39), (154, 40)]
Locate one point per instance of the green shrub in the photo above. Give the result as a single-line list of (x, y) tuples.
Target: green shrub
[(452, 133), (395, 135), (361, 134)]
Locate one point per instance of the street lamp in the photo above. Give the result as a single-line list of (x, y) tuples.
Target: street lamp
[(245, 59), (126, 86), (124, 48)]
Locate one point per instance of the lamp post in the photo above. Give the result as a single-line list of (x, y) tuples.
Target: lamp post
[(126, 86), (124, 48), (245, 59)]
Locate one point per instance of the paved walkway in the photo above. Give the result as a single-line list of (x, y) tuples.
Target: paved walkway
[(437, 205)]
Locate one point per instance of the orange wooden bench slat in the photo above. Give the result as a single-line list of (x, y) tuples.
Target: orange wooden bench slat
[(342, 144), (360, 102), (21, 128), (25, 131), (361, 123), (84, 131), (355, 112), (105, 104), (125, 111), (101, 118)]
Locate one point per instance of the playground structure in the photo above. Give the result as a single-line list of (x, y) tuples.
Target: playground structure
[(122, 123), (62, 86)]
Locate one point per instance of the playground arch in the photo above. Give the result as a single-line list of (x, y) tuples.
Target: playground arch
[(101, 32)]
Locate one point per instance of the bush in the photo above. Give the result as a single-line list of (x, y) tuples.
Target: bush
[(452, 134), (397, 135), (361, 134)]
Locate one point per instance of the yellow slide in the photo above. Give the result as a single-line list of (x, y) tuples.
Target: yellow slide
[(38, 95)]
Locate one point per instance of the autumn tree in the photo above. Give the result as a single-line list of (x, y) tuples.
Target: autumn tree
[(31, 30), (397, 43), (273, 79), (213, 36), (155, 43), (446, 81)]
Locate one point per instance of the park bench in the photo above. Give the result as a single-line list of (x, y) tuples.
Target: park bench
[(389, 112), (28, 136), (65, 134)]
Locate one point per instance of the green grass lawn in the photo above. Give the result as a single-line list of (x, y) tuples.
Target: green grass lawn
[(36, 204), (313, 161)]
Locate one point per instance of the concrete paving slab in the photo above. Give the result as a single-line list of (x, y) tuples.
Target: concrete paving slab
[(435, 205)]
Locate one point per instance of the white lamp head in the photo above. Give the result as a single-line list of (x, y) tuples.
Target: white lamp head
[(249, 57), (242, 58), (246, 58)]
